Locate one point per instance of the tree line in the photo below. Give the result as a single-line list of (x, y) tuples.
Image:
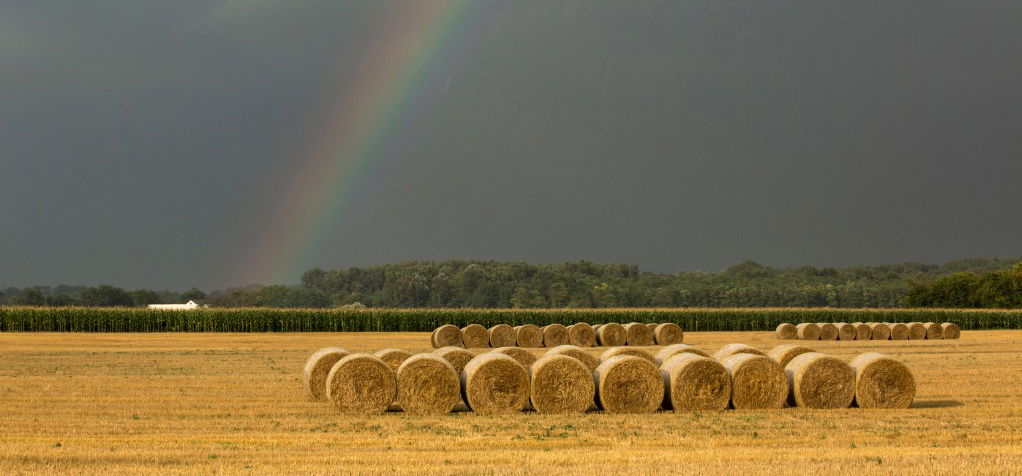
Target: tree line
[(93, 296), (1001, 289), (582, 284)]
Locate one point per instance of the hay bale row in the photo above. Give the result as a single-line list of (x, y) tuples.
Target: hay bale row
[(624, 380), (867, 331), (581, 334)]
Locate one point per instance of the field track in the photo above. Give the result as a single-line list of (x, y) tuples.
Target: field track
[(201, 403)]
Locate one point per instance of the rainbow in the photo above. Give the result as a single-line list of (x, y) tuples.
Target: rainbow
[(418, 42)]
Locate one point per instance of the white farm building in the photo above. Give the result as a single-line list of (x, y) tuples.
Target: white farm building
[(186, 306)]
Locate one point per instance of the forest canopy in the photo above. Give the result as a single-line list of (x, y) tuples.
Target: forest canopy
[(977, 282)]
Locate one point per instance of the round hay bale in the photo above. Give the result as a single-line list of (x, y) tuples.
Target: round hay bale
[(670, 351), (933, 331), (638, 334), (916, 331), (560, 384), (951, 330), (624, 350), (652, 328), (786, 331), (555, 335), (427, 384), (529, 335), (447, 335), (828, 331), (757, 382), (694, 382), (816, 380), (611, 335), (732, 349), (899, 331), (628, 384), (581, 335), (808, 331), (882, 382), (393, 357), (494, 384), (783, 354), (317, 368), (879, 331), (502, 335), (845, 331), (668, 333), (457, 356), (523, 356), (576, 352), (361, 384), (475, 336), (862, 331)]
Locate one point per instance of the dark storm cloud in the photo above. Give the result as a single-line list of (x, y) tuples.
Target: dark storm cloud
[(140, 142)]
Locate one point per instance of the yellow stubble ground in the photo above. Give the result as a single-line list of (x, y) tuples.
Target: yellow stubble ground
[(207, 403)]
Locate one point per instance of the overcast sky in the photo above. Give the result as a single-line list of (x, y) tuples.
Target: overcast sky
[(142, 141)]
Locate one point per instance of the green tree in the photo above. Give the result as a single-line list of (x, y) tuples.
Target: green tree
[(106, 296), (193, 294)]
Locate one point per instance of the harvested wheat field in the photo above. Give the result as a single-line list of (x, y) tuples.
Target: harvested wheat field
[(235, 403)]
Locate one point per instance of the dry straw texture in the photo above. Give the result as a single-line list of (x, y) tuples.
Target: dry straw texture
[(361, 384), (882, 382), (783, 354), (447, 335), (757, 382), (611, 335), (576, 353), (916, 331), (880, 331), (732, 349), (652, 327), (786, 331), (828, 331), (457, 356), (632, 351), (502, 335), (523, 356), (845, 331), (582, 335), (668, 333), (495, 384), (816, 380), (561, 384), (899, 331), (529, 335), (808, 331), (393, 357), (475, 336), (670, 351), (317, 367), (693, 382), (638, 334), (627, 384), (951, 330), (862, 331), (933, 331), (427, 384), (555, 335)]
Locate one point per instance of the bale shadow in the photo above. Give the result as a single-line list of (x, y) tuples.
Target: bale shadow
[(936, 404)]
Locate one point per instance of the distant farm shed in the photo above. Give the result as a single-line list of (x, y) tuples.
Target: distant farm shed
[(188, 305)]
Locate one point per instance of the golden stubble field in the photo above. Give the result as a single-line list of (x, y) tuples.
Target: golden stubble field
[(211, 403)]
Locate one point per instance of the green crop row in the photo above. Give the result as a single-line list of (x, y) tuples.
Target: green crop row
[(78, 319)]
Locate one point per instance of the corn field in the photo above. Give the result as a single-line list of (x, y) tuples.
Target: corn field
[(79, 319)]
